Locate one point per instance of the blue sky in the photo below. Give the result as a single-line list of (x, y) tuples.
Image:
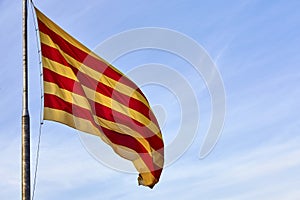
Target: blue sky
[(255, 45)]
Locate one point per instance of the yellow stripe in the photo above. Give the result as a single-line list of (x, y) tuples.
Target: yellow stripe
[(97, 76), (147, 176), (54, 89), (115, 105), (70, 120), (158, 159), (55, 28), (59, 68)]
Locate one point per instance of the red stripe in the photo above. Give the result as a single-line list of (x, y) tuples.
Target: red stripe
[(54, 55), (117, 117), (86, 58), (103, 111), (63, 82), (52, 101)]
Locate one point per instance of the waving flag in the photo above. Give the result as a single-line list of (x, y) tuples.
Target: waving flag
[(85, 92)]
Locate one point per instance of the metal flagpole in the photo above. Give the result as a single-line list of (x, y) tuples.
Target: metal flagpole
[(25, 115)]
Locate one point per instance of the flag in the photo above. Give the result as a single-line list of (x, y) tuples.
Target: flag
[(83, 91)]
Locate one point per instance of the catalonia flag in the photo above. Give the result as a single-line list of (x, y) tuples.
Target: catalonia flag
[(85, 92)]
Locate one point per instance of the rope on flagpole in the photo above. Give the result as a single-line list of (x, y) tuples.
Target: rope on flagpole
[(42, 96)]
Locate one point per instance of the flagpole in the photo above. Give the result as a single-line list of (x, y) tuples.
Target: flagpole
[(25, 114)]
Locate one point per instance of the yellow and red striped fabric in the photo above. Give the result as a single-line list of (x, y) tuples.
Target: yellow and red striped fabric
[(85, 92)]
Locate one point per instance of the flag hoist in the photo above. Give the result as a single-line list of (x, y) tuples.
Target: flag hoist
[(83, 91)]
